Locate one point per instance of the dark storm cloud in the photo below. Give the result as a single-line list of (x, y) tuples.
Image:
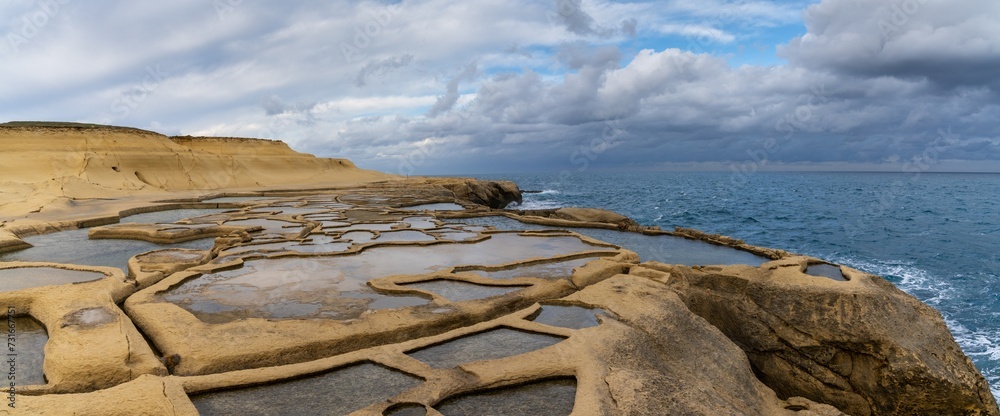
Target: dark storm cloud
[(951, 43)]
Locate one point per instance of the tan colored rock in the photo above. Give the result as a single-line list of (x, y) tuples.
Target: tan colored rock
[(168, 261), (861, 345), (92, 344), (45, 165), (494, 194), (675, 340), (10, 242), (145, 396), (595, 215), (658, 358), (162, 233)]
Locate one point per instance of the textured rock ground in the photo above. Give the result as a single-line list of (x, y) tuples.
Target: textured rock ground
[(670, 340), (304, 289), (859, 344)]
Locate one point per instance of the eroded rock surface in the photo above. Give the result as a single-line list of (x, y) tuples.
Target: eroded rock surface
[(860, 344), (301, 288)]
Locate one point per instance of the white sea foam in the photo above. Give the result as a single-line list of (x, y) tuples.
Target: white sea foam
[(979, 345), (932, 290), (531, 204)]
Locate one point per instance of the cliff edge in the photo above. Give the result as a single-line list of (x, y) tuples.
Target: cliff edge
[(47, 165)]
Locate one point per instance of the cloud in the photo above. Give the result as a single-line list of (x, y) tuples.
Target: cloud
[(273, 105), (698, 31), (578, 21), (448, 100), (952, 43), (629, 26), (381, 68), (869, 82), (578, 54)]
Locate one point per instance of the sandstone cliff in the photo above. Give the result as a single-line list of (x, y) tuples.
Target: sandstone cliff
[(51, 164)]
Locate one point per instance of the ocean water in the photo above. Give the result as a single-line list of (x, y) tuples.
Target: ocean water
[(934, 235)]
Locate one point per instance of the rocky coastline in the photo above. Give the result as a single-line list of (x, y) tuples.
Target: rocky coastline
[(312, 267)]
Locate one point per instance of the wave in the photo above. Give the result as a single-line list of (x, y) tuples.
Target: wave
[(537, 205), (918, 282), (980, 345), (541, 192)]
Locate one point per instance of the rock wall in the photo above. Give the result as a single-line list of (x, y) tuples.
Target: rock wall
[(494, 194), (47, 163), (861, 345)]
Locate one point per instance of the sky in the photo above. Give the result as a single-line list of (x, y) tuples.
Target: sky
[(494, 86)]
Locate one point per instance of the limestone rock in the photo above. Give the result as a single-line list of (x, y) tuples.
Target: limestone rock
[(48, 163), (861, 345), (595, 215), (494, 194), (664, 360), (10, 242)]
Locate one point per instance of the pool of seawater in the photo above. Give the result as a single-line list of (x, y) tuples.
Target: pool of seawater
[(423, 223), (337, 392), (546, 270), (457, 291), (458, 236), (74, 247), (489, 345), (317, 281), (358, 237), (29, 346), (663, 248), (572, 317), (404, 235), (281, 289), (826, 270), (549, 397), (28, 277)]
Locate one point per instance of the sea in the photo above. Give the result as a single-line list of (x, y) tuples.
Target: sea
[(936, 236)]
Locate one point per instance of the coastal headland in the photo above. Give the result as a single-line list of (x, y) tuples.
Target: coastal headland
[(153, 275)]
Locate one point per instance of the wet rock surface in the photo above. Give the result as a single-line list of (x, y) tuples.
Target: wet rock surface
[(412, 299)]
